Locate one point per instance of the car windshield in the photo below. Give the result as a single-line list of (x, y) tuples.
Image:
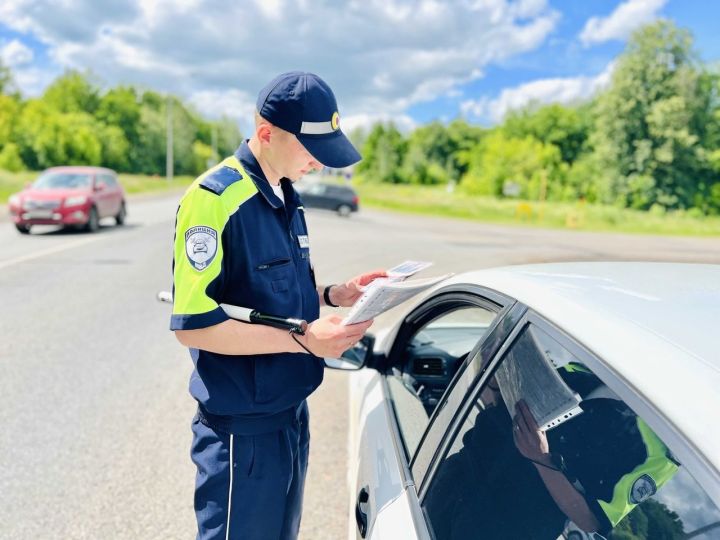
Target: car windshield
[(62, 180)]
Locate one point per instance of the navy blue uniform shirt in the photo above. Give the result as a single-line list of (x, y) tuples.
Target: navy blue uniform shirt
[(236, 243)]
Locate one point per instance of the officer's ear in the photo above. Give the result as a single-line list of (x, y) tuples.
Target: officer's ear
[(264, 132)]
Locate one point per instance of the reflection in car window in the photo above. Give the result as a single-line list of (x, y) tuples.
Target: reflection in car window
[(62, 180), (432, 357), (603, 473)]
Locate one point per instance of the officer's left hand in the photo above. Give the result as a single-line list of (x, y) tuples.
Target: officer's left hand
[(531, 442), (347, 293)]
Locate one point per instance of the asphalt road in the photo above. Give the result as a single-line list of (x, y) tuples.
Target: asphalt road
[(95, 413)]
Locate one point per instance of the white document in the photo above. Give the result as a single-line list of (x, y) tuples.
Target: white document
[(528, 373), (406, 269), (383, 294)]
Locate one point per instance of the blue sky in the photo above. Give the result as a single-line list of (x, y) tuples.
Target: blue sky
[(410, 61)]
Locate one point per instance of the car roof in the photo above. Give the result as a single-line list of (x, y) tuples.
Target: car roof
[(336, 186), (654, 324), (80, 169)]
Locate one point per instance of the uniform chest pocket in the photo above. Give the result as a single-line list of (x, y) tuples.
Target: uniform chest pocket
[(276, 273)]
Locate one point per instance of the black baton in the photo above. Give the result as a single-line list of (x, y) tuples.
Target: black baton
[(252, 316)]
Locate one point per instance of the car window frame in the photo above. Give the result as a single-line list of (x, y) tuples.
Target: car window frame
[(679, 445), (443, 301), (455, 401), (480, 297)]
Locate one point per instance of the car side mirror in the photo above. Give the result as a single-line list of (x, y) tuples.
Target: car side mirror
[(354, 358)]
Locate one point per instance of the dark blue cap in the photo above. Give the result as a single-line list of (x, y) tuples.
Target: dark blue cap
[(304, 105)]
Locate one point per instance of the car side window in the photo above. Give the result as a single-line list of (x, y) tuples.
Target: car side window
[(316, 189), (101, 181), (593, 470), (109, 180), (430, 359)]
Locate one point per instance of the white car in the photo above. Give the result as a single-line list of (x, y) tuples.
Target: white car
[(616, 369)]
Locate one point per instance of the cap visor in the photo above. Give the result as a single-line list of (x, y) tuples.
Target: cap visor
[(334, 150)]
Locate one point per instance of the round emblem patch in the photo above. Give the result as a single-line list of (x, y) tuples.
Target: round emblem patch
[(200, 246), (643, 488), (335, 121)]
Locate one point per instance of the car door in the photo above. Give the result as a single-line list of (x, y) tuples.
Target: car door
[(609, 473), (433, 347), (314, 195), (114, 194), (103, 196)]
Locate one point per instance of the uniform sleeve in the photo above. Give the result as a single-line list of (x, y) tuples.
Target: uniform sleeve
[(642, 482), (198, 261)]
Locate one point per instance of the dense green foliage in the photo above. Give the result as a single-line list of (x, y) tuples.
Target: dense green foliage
[(76, 123), (649, 141)]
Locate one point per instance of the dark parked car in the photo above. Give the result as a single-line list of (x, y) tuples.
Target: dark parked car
[(69, 196), (342, 199)]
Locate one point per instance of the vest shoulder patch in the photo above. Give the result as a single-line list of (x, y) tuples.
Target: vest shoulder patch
[(642, 489), (219, 180)]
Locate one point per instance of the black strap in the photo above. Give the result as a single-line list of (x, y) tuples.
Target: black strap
[(292, 334), (326, 296)]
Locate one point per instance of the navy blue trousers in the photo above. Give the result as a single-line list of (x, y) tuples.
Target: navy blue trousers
[(250, 486)]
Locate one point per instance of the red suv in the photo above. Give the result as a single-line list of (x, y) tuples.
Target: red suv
[(69, 196)]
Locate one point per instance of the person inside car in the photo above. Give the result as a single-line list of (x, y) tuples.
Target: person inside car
[(527, 483)]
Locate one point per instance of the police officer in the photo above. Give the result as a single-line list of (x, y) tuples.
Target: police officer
[(241, 239)]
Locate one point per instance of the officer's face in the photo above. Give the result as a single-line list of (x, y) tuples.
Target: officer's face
[(292, 160)]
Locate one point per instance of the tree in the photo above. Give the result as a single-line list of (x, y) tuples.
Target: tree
[(499, 162), (6, 79), (650, 520), (115, 148), (148, 155), (120, 107), (650, 123), (228, 136), (465, 138), (435, 152), (383, 152), (9, 112), (72, 92), (10, 159), (567, 128)]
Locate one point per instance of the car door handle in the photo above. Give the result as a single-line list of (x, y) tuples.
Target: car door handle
[(360, 516)]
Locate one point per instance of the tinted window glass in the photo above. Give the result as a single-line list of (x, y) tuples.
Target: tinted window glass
[(431, 358), (316, 189), (62, 180), (339, 191), (597, 471)]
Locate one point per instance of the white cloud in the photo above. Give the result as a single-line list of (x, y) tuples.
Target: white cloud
[(558, 90), (620, 23), (365, 121), (380, 56), (33, 80), (235, 104), (15, 53)]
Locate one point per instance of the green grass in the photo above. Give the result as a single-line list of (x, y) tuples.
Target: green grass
[(437, 201), (133, 183), (12, 183), (138, 183)]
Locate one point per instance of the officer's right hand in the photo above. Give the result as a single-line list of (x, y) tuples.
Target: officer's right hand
[(328, 338)]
